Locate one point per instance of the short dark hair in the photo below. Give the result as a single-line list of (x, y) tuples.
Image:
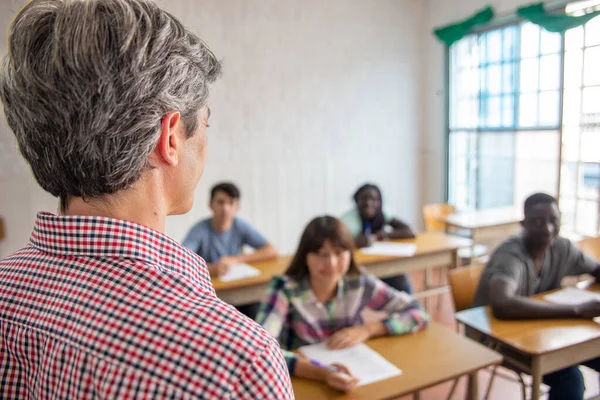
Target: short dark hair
[(535, 199), (315, 234), (366, 186), (228, 188)]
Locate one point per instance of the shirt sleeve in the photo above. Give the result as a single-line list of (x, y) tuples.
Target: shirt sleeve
[(581, 263), (272, 317), (193, 239), (405, 313), (505, 266), (266, 377), (250, 235), (353, 222)]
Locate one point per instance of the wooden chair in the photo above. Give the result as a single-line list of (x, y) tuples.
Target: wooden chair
[(590, 246), (463, 286), (433, 216)]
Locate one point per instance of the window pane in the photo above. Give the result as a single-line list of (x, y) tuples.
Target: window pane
[(494, 79), (528, 106), (590, 146), (465, 84), (550, 42), (466, 114), (572, 108), (509, 43), (592, 32), (530, 40), (529, 75), (536, 170), (508, 78), (568, 180), (591, 72), (550, 72), (586, 222), (574, 38), (570, 144), (508, 113), (494, 46), (573, 68), (591, 100), (494, 112), (548, 111), (589, 181), (495, 184), (567, 211)]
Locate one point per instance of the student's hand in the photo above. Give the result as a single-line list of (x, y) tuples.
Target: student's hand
[(348, 337), (364, 240), (218, 269), (589, 309), (341, 379), (229, 261)]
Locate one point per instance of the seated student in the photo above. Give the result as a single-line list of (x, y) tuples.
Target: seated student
[(533, 262), (368, 222), (321, 298), (220, 239)]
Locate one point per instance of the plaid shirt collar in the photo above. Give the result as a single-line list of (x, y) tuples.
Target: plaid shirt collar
[(304, 291), (101, 237)]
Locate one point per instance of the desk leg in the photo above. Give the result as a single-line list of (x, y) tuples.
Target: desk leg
[(417, 396), (536, 375), (473, 393), (474, 236)]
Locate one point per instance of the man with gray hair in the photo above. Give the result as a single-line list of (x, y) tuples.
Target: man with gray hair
[(108, 102)]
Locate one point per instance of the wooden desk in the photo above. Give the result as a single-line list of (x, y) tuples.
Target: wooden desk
[(488, 227), (426, 358), (546, 345), (433, 250)]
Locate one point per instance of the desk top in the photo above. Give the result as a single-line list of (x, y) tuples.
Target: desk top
[(485, 218), (427, 243), (426, 358), (533, 337)]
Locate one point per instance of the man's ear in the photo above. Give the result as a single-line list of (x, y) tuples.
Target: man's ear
[(168, 142)]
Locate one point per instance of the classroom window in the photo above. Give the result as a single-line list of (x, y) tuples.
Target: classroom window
[(524, 116)]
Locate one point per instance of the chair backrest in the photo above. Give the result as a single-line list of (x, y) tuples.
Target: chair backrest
[(463, 284), (433, 214), (590, 246)]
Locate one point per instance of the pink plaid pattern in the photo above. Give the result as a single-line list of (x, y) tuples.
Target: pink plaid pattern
[(107, 309)]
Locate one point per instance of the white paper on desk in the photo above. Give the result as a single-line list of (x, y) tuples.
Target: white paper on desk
[(390, 249), (239, 271), (363, 362), (571, 296)]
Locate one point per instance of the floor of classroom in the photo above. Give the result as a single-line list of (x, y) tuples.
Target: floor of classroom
[(442, 311)]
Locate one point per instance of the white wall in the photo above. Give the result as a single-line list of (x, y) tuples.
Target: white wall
[(316, 98)]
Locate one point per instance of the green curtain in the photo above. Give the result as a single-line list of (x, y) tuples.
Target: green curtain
[(452, 33), (553, 22)]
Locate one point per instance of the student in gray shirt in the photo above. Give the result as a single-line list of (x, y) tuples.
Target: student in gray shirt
[(533, 262), (221, 238)]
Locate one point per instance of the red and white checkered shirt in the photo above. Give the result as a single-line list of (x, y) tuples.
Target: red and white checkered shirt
[(107, 309)]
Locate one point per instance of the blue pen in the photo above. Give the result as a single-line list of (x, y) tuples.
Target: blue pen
[(367, 228)]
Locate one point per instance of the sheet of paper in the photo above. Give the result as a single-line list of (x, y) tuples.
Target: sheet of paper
[(571, 296), (239, 271), (365, 363), (390, 249)]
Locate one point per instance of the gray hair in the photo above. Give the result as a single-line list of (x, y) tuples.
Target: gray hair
[(86, 83)]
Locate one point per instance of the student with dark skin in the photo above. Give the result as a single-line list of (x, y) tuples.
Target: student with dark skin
[(534, 262), (368, 222)]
